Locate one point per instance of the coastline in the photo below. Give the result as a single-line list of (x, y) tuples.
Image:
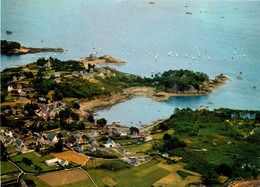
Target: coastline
[(149, 92)]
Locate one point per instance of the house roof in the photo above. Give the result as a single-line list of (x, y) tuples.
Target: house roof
[(39, 137), (109, 141), (18, 142), (64, 133), (90, 148), (134, 161), (50, 137), (44, 108)]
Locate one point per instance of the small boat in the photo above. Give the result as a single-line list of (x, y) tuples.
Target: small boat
[(241, 72), (234, 52), (199, 54), (176, 55), (193, 58), (210, 102), (190, 63), (239, 77), (254, 86), (208, 58), (244, 55)]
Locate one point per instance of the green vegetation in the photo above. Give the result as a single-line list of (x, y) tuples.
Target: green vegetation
[(180, 80), (7, 167), (183, 174), (218, 142), (144, 175), (8, 46), (37, 162)]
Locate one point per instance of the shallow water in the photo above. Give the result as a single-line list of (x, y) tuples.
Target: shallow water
[(130, 30)]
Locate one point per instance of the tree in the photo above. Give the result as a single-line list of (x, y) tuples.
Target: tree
[(58, 96), (76, 105), (91, 118), (133, 129), (27, 161), (58, 146), (209, 177), (101, 122), (3, 150), (225, 170)]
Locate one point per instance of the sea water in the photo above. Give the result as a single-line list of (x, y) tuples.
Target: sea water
[(137, 31)]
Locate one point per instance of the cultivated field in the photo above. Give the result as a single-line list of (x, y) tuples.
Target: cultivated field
[(174, 179), (63, 177), (72, 156)]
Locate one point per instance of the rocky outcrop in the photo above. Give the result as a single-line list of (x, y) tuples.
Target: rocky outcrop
[(26, 50)]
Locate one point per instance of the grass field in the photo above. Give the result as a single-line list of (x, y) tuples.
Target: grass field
[(35, 160), (160, 135), (7, 167), (72, 156), (10, 149), (144, 175), (174, 179), (138, 148), (63, 177)]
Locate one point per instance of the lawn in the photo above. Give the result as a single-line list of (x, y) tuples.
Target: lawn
[(142, 148), (7, 167), (160, 135), (144, 175), (10, 149), (35, 160)]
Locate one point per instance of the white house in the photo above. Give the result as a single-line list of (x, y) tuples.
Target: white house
[(123, 133), (10, 88), (54, 161), (148, 138), (110, 143)]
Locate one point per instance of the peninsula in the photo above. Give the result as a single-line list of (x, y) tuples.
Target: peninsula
[(14, 48)]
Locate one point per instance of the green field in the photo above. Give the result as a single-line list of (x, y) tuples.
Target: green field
[(35, 160), (144, 175), (7, 167)]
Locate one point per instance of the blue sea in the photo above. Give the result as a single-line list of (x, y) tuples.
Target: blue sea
[(137, 31)]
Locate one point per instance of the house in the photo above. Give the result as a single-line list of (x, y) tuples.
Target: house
[(22, 93), (9, 141), (19, 90), (64, 162), (56, 74), (92, 141), (79, 148), (93, 134), (10, 88), (69, 145), (122, 150), (134, 161), (19, 86), (40, 139), (91, 148), (54, 161), (148, 138), (8, 133), (141, 134), (165, 154), (78, 138), (20, 146), (57, 80), (64, 134), (110, 143), (52, 138), (42, 99), (134, 135), (123, 133)]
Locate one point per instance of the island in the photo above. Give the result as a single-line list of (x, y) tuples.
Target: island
[(14, 48), (106, 59)]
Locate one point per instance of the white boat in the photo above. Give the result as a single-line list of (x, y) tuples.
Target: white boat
[(176, 55), (208, 58), (210, 102)]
